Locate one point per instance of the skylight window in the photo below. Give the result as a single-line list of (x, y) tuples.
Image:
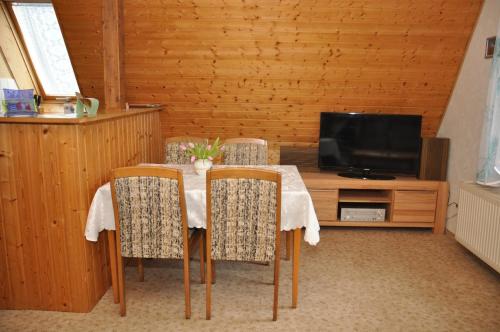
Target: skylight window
[(45, 45)]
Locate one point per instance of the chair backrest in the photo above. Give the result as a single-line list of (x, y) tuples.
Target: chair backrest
[(174, 154), (243, 214), (245, 151), (150, 211)]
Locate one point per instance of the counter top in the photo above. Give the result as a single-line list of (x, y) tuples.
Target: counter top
[(58, 118)]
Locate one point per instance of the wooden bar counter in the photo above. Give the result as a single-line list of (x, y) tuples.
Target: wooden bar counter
[(50, 168)]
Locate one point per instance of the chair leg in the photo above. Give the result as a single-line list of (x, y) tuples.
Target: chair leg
[(121, 284), (187, 288), (208, 302), (140, 269), (202, 258)]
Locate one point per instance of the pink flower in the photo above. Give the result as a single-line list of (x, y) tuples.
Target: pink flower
[(209, 147), (222, 148), (193, 158), (210, 158), (183, 147), (191, 145)]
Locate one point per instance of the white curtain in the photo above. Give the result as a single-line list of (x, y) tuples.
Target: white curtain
[(489, 157), (46, 47)]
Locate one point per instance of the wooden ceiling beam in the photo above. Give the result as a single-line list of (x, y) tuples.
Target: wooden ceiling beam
[(114, 75)]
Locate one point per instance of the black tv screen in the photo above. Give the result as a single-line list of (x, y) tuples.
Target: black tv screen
[(379, 143)]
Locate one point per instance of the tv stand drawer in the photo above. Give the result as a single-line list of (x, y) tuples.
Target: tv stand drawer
[(414, 206), (325, 203)]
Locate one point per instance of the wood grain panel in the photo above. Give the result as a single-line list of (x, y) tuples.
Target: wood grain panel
[(414, 206), (434, 158), (114, 80), (268, 68), (50, 173), (325, 204)]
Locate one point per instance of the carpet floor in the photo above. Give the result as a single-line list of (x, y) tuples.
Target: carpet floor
[(354, 280)]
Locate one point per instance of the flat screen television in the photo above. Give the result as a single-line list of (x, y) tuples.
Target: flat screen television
[(370, 145)]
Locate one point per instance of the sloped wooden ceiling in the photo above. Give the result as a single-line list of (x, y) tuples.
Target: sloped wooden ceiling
[(267, 68), (81, 25)]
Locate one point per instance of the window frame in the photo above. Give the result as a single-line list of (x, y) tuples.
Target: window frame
[(29, 63)]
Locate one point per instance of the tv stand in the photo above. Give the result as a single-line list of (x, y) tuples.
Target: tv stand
[(408, 202), (366, 174)]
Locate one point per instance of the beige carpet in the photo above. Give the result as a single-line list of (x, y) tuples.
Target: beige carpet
[(354, 280)]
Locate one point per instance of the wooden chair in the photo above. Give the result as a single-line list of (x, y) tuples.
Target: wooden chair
[(173, 152), (150, 220), (243, 220), (245, 151)]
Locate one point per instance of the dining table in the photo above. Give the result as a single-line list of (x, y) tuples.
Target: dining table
[(297, 212)]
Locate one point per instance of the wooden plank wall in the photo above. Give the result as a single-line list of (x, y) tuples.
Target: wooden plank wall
[(267, 68), (49, 176)]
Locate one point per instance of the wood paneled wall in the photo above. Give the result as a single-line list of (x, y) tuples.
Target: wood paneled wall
[(49, 174), (267, 68)]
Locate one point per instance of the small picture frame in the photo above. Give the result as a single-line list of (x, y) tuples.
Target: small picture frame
[(490, 47)]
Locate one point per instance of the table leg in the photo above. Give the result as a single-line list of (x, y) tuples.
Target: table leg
[(297, 235), (112, 265), (288, 244)]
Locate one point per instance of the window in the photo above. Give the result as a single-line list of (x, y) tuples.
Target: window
[(45, 45)]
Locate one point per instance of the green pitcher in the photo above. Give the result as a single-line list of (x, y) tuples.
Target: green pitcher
[(86, 106)]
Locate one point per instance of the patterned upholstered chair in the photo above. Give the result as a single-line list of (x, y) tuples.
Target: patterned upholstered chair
[(245, 151), (243, 220), (150, 219), (173, 152)]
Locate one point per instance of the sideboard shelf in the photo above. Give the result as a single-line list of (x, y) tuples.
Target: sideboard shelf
[(364, 196), (408, 202)]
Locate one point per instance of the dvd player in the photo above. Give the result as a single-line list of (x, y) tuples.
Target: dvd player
[(362, 214)]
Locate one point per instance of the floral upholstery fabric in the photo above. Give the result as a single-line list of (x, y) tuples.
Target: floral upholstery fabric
[(174, 154), (245, 154), (150, 217), (243, 219)]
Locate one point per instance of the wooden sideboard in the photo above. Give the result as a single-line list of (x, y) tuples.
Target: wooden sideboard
[(50, 168), (408, 202)]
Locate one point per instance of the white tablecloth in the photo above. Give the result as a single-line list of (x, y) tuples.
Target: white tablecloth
[(297, 209)]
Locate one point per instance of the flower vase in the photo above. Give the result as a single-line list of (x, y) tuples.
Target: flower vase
[(202, 165)]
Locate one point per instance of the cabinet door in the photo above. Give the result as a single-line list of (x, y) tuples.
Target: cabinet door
[(325, 204), (414, 206)]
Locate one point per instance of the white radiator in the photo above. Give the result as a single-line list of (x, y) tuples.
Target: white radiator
[(478, 224)]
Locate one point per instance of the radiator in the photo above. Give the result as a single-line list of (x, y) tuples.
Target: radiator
[(478, 223)]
